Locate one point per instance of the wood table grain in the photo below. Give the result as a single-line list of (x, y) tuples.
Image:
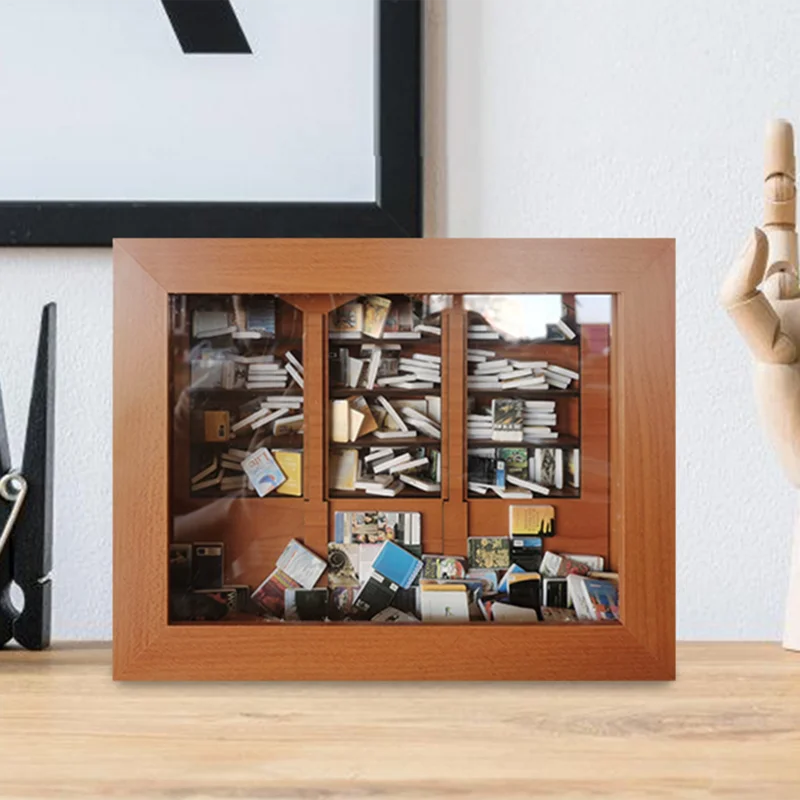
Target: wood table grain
[(729, 727)]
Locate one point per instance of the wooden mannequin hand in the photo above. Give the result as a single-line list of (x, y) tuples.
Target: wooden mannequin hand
[(752, 310)]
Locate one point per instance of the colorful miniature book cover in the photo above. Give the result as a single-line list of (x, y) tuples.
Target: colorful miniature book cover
[(269, 596), (400, 317), (363, 527), (376, 310), (342, 564), (291, 464), (489, 552), (604, 598), (348, 318), (397, 564), (341, 601), (489, 578), (507, 417), (516, 459), (263, 471), (514, 569), (532, 520), (446, 567), (527, 551), (301, 565), (547, 468)]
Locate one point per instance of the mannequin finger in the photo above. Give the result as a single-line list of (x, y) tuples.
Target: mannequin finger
[(747, 271)]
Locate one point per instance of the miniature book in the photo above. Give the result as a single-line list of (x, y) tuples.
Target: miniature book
[(444, 603), (593, 599), (301, 565), (305, 605), (527, 552), (291, 464), (269, 596), (342, 564), (503, 612), (376, 311), (263, 471), (531, 520), (397, 564), (435, 566), (489, 552), (348, 318)]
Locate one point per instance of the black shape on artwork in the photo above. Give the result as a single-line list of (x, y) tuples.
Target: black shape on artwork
[(206, 26)]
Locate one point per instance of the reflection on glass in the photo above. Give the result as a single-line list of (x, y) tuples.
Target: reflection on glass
[(237, 385), (523, 381), (386, 396), (526, 529)]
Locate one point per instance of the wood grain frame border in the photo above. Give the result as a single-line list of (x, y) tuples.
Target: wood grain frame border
[(641, 275)]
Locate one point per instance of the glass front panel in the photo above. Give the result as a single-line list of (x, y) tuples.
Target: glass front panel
[(237, 443), (450, 463)]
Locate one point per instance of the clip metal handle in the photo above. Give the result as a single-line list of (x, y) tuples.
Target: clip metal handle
[(13, 488)]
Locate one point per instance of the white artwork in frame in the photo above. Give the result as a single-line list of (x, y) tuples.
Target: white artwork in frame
[(104, 113)]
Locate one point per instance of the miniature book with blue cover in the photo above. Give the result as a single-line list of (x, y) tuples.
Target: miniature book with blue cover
[(397, 564)]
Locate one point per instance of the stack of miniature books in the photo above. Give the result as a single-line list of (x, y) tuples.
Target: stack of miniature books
[(376, 571), (489, 373), (403, 451)]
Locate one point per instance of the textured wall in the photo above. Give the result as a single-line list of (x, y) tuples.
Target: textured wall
[(624, 118), (80, 282), (558, 119)]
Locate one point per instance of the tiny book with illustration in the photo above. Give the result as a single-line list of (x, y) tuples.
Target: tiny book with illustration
[(531, 520), (489, 552), (263, 471)]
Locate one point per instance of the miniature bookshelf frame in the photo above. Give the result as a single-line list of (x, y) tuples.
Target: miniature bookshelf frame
[(641, 484)]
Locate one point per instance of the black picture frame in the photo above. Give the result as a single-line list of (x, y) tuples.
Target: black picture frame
[(396, 212)]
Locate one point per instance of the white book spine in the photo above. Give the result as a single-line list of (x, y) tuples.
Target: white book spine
[(413, 464), (260, 423), (392, 412), (406, 434), (534, 487), (243, 423)]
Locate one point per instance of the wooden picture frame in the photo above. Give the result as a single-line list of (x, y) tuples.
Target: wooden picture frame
[(641, 483), (395, 212)]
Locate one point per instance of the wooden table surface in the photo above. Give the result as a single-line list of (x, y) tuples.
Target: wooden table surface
[(728, 727)]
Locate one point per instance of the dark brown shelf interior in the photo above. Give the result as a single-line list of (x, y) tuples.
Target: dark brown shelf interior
[(562, 443), (372, 441), (426, 337), (555, 494), (292, 442), (528, 394), (385, 391), (358, 494)]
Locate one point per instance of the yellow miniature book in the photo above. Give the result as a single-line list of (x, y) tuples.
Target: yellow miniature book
[(533, 520), (291, 464)]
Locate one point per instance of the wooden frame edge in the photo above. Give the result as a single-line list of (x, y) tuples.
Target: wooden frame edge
[(146, 650)]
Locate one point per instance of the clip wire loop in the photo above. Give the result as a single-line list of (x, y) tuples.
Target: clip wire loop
[(13, 488)]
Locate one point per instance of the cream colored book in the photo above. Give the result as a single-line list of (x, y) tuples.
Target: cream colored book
[(356, 419), (344, 470), (340, 421)]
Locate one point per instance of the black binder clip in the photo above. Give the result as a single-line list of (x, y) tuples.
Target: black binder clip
[(26, 506)]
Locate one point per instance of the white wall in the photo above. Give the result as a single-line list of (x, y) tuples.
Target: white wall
[(558, 119), (625, 118), (80, 282)]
